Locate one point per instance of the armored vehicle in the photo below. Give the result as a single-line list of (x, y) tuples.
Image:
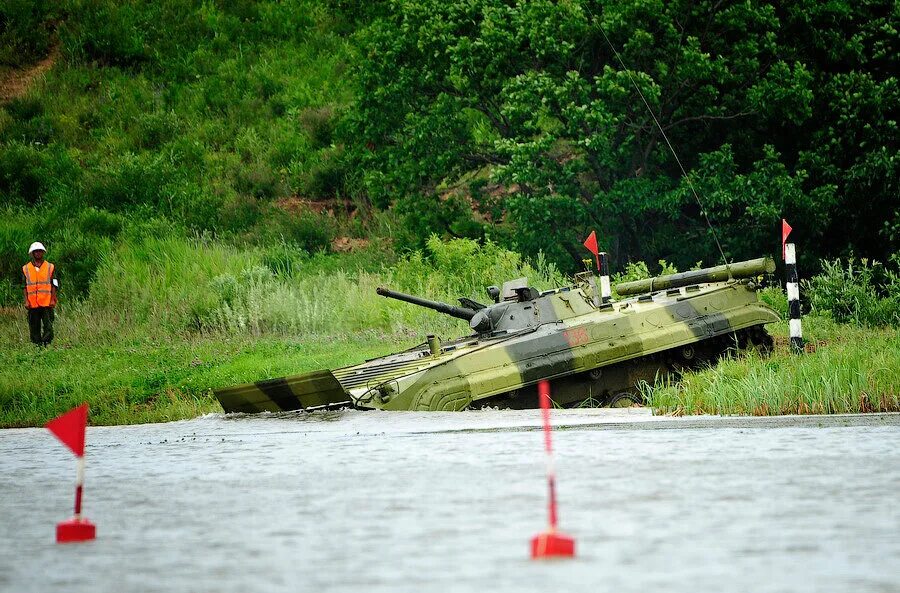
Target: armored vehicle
[(593, 352)]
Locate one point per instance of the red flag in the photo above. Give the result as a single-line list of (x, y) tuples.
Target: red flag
[(70, 427), (785, 231), (591, 243)]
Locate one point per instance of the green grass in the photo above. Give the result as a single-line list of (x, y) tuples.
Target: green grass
[(845, 370), (193, 117), (150, 381), (168, 319)]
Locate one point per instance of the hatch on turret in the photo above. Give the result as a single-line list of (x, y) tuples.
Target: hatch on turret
[(510, 287), (518, 291)]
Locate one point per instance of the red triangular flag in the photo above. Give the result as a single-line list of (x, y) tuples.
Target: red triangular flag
[(785, 231), (591, 243), (70, 427)]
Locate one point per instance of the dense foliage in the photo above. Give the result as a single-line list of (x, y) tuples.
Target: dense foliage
[(185, 115), (26, 30), (523, 110), (507, 120), (860, 292)]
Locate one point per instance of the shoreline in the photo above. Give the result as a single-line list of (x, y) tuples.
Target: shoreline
[(571, 419)]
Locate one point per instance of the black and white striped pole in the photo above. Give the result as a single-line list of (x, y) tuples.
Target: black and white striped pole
[(793, 294), (605, 288)]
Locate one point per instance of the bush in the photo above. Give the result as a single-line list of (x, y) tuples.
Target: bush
[(22, 177), (307, 230), (155, 129), (30, 175), (30, 121), (16, 233), (25, 108), (77, 257), (465, 267), (105, 32), (76, 254), (133, 181), (259, 181), (319, 125), (327, 176), (26, 30), (99, 223), (239, 212), (426, 215), (284, 259), (862, 293), (775, 297), (10, 293), (641, 271)]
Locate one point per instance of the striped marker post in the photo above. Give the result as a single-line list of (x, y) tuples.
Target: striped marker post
[(793, 294), (605, 289), (550, 544)]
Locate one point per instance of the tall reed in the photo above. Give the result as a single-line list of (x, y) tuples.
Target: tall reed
[(845, 370)]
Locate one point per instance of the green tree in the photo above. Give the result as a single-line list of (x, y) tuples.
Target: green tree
[(529, 97)]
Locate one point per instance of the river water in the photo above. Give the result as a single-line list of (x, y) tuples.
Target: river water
[(378, 501)]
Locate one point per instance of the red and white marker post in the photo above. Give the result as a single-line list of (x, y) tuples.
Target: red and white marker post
[(70, 429), (551, 543)]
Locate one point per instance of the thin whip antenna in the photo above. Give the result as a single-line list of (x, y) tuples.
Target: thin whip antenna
[(666, 138)]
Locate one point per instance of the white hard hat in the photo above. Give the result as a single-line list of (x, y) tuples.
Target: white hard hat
[(37, 245)]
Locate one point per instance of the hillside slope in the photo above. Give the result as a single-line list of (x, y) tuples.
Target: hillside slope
[(199, 116)]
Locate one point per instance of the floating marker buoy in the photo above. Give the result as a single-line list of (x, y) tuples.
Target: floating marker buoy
[(70, 428), (75, 530), (551, 543)]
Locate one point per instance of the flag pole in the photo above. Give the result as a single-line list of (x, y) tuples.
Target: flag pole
[(79, 486)]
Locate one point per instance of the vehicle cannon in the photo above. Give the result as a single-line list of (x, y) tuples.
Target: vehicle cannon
[(451, 310), (736, 271)]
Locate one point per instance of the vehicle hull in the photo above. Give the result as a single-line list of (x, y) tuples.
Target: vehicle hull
[(591, 353)]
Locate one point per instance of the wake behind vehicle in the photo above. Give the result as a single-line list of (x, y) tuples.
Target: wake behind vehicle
[(594, 352)]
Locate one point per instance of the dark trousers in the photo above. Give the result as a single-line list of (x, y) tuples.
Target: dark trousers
[(37, 317)]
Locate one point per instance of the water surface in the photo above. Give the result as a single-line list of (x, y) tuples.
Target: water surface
[(378, 501)]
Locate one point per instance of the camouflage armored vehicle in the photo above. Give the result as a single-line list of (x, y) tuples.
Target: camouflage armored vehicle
[(593, 352)]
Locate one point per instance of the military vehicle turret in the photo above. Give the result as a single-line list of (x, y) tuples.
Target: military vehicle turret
[(594, 353)]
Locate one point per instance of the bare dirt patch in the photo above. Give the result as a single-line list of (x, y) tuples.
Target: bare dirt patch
[(16, 82), (297, 205), (345, 244)]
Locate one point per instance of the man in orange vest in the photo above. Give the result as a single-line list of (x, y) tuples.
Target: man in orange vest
[(40, 294)]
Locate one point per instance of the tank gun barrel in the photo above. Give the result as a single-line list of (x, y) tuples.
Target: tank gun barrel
[(737, 270), (451, 310)]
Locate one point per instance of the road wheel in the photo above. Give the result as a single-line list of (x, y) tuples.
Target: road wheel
[(623, 399)]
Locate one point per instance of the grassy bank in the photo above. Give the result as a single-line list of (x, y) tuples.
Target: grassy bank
[(135, 380), (168, 318), (140, 381), (846, 369)]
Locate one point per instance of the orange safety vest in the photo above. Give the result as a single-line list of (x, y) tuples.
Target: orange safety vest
[(38, 284)]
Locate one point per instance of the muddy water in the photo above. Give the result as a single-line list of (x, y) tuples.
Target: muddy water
[(369, 501)]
